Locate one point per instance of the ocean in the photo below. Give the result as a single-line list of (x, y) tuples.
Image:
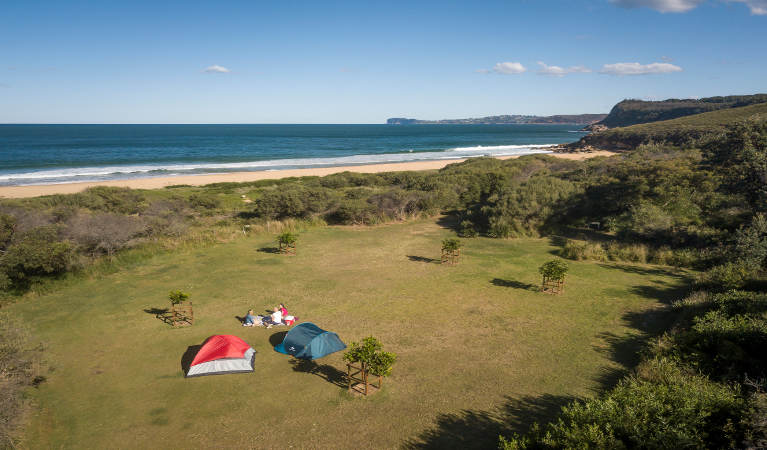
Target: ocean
[(50, 154)]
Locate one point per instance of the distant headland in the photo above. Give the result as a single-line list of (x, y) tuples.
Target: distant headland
[(576, 119)]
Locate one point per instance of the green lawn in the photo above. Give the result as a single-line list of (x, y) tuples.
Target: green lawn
[(476, 343)]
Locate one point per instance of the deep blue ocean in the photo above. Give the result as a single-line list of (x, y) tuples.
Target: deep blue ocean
[(44, 154)]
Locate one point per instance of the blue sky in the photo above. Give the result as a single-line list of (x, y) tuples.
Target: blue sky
[(352, 62)]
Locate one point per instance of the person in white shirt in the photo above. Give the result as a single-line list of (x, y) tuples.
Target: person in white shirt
[(275, 318)]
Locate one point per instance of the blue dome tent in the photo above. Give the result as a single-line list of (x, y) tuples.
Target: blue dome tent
[(308, 341)]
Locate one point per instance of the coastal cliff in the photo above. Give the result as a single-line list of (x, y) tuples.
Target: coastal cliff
[(561, 119)]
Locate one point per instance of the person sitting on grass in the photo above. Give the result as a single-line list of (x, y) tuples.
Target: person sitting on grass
[(283, 310), (274, 319), (250, 319)]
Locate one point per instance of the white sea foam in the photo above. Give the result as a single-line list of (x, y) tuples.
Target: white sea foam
[(77, 174)]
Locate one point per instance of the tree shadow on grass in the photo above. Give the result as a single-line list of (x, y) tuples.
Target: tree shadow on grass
[(450, 220), (423, 259), (514, 284), (324, 371), (642, 270), (273, 250), (481, 429), (162, 314), (188, 357)]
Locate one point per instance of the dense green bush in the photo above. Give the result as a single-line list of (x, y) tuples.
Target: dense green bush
[(751, 243), (728, 337), (466, 229), (293, 201), (202, 201), (730, 275), (35, 253), (111, 199), (663, 407), (7, 228)]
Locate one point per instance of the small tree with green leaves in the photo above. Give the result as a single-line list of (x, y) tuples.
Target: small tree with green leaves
[(553, 273), (451, 250), (181, 313), (178, 297), (372, 360), (287, 242)]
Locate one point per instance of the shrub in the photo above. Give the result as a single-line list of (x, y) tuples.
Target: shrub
[(204, 201), (111, 199), (663, 256), (583, 250), (293, 201), (554, 270), (631, 253), (665, 408), (177, 297), (728, 338), (36, 253), (104, 233), (466, 229), (369, 353), (730, 275), (7, 228), (751, 243), (353, 212)]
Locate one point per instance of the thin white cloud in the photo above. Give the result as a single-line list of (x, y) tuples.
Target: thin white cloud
[(664, 6), (757, 7), (482, 71), (557, 71), (216, 69), (639, 69), (509, 68)]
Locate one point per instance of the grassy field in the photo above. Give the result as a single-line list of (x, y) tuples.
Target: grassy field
[(480, 351)]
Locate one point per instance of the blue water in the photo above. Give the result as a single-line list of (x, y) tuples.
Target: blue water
[(43, 154)]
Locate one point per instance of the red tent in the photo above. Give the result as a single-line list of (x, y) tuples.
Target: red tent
[(221, 354)]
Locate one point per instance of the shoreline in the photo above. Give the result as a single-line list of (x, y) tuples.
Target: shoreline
[(240, 177)]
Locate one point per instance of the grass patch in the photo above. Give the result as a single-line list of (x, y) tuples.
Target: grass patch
[(477, 346)]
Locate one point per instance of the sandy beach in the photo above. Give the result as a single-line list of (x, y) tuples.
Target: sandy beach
[(235, 177)]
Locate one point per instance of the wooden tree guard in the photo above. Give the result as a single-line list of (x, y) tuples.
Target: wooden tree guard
[(553, 286), (181, 314), (357, 375), (451, 257), (288, 249)]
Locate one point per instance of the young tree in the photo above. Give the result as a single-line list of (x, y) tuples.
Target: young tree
[(372, 359), (178, 297), (553, 273), (451, 250), (287, 241)]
